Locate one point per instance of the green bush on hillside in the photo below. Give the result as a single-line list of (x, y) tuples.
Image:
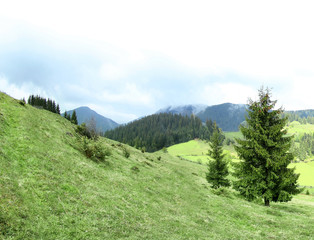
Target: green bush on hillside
[(95, 150)]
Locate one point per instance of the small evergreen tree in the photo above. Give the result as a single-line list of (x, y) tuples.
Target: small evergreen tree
[(65, 115), (68, 117), (74, 118), (218, 167), (58, 109), (264, 151)]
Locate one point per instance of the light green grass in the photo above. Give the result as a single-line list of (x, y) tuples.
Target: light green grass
[(306, 170), (50, 190), (296, 128), (233, 135)]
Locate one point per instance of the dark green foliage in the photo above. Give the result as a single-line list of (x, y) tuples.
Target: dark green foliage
[(68, 117), (218, 167), (44, 103), (307, 192), (264, 151), (74, 118), (302, 116), (160, 130), (22, 102), (83, 130), (126, 152), (95, 150), (305, 146)]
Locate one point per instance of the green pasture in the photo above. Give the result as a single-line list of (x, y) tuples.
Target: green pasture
[(49, 189), (196, 151)]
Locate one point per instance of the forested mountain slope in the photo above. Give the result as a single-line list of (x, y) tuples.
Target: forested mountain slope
[(161, 130)]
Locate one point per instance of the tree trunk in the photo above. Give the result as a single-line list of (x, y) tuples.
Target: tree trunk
[(266, 201)]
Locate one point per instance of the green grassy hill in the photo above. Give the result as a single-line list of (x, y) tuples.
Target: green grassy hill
[(50, 190)]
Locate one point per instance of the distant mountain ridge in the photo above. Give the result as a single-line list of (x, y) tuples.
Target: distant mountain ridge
[(184, 109), (228, 116), (85, 114)]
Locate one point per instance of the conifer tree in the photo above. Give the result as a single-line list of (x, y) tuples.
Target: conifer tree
[(74, 118), (65, 115), (264, 152), (58, 109), (218, 167)]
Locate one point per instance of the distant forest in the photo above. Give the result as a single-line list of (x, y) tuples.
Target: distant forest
[(157, 131)]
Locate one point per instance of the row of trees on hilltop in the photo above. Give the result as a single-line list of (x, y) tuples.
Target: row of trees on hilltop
[(40, 102), (72, 118), (157, 131)]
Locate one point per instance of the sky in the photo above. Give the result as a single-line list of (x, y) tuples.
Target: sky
[(128, 59)]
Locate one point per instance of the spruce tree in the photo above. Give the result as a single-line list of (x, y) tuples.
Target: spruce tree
[(58, 109), (74, 118), (65, 115), (218, 167), (264, 152)]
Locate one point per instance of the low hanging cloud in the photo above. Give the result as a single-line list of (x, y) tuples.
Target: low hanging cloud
[(128, 62)]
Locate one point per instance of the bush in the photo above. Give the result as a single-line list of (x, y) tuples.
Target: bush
[(126, 152), (95, 150), (22, 102), (307, 192), (83, 130)]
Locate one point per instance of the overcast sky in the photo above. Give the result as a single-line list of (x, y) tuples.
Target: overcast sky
[(127, 59)]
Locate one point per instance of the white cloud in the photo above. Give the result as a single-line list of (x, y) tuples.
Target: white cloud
[(19, 91), (139, 55), (217, 93)]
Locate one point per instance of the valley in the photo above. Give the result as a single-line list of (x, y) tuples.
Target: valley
[(50, 189)]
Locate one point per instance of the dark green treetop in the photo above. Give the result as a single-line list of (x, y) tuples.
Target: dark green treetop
[(74, 118), (264, 153)]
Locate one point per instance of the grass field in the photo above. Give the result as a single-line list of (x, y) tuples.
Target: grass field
[(50, 190)]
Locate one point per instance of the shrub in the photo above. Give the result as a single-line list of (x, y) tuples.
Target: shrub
[(95, 150), (83, 130), (22, 102), (126, 152), (307, 192)]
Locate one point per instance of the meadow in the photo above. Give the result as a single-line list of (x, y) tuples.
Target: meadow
[(197, 150), (49, 189)]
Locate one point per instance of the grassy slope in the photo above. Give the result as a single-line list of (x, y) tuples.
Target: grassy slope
[(49, 190)]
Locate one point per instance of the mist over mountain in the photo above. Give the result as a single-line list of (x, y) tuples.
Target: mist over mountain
[(184, 109), (228, 116), (85, 114)]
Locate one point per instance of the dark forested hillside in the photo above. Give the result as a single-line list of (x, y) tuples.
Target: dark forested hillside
[(302, 116), (154, 132)]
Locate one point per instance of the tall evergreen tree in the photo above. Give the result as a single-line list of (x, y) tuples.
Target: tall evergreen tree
[(74, 118), (264, 152), (218, 167)]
